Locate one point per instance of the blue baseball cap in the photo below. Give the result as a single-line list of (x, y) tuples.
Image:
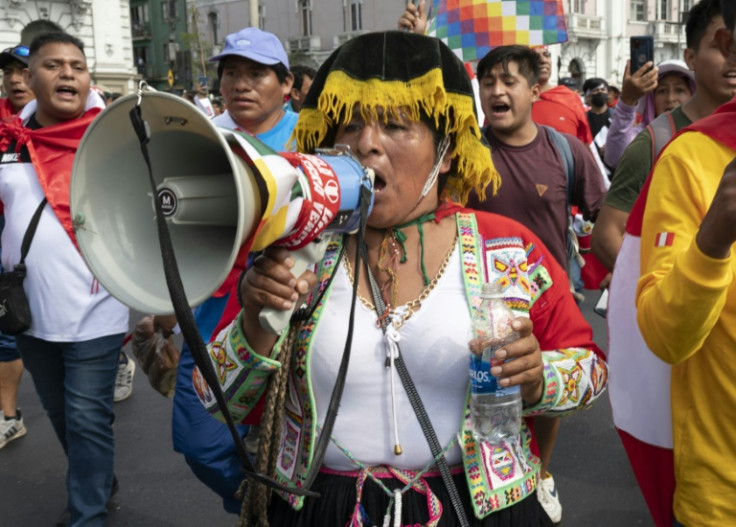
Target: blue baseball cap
[(252, 43)]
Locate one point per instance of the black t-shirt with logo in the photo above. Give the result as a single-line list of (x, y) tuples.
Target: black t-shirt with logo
[(10, 155)]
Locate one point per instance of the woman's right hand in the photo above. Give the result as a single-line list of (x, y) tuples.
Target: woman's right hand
[(638, 84), (270, 283), (414, 18)]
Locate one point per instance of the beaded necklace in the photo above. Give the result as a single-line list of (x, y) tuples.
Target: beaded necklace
[(413, 305)]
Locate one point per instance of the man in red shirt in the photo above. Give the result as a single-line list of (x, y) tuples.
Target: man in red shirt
[(559, 106)]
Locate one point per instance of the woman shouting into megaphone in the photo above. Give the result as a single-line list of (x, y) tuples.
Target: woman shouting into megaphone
[(401, 449)]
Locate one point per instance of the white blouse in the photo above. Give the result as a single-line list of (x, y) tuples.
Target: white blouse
[(434, 347)]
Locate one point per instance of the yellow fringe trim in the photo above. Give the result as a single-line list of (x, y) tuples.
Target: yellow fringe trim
[(341, 94)]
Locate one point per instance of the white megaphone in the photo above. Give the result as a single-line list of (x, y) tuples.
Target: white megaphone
[(220, 190)]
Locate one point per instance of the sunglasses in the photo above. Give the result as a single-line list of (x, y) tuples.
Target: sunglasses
[(18, 51)]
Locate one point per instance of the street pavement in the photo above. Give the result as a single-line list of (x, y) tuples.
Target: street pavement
[(157, 489)]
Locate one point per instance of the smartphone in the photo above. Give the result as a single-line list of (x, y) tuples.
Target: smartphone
[(642, 51), (601, 306), (202, 81)]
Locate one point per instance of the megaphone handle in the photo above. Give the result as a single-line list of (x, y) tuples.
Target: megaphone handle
[(276, 320)]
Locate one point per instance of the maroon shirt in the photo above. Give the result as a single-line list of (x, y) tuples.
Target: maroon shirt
[(534, 188)]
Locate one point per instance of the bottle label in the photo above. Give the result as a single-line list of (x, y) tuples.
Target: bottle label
[(481, 380)]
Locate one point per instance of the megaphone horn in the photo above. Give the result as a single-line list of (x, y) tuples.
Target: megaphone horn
[(219, 190), (110, 197)]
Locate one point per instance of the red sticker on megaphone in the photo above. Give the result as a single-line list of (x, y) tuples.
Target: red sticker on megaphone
[(321, 201)]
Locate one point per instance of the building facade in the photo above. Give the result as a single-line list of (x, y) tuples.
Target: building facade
[(102, 25), (161, 43), (598, 45), (599, 32), (127, 40)]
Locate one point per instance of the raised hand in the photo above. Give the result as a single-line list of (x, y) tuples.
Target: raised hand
[(638, 84), (414, 18), (718, 229)]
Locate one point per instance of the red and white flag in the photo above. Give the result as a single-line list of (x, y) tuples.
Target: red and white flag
[(664, 239), (639, 385), (639, 382)]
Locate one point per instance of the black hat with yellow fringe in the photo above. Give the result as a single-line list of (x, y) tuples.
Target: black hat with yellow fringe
[(401, 71)]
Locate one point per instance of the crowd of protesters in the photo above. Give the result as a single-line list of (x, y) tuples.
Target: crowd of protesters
[(510, 191)]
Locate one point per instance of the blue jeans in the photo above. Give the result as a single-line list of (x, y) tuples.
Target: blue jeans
[(206, 443), (75, 382), (575, 275)]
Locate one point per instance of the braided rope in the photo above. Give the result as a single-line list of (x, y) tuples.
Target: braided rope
[(257, 496), (411, 480)]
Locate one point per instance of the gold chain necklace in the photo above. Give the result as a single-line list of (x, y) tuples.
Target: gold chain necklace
[(413, 305)]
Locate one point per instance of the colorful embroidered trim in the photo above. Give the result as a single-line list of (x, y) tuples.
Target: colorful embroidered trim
[(410, 479), (301, 412)]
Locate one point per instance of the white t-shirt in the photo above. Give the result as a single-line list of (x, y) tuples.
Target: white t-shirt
[(434, 345), (67, 303)]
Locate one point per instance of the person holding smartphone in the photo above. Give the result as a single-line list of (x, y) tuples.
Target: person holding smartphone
[(201, 98), (646, 93)]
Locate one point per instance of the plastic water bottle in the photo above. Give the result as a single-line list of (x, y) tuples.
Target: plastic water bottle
[(495, 410)]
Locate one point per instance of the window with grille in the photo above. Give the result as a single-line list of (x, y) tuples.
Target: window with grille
[(306, 13), (212, 24), (140, 54), (261, 16), (356, 15), (139, 14), (638, 10), (169, 10)]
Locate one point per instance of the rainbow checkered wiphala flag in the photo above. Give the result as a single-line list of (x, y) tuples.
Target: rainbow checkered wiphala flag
[(471, 28)]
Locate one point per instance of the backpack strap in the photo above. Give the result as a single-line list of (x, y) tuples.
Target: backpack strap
[(568, 161), (661, 130)]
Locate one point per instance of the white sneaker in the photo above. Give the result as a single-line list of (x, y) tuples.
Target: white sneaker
[(11, 429), (124, 379), (550, 500)]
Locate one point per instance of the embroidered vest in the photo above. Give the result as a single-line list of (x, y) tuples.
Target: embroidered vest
[(497, 476)]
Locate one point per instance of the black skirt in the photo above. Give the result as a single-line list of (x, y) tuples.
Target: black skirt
[(337, 501)]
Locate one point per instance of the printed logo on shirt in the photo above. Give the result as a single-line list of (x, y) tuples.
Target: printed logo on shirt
[(664, 239), (541, 189), (9, 155)]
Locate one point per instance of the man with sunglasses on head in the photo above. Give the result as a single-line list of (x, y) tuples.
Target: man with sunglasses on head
[(686, 300), (558, 106), (17, 94), (12, 62), (72, 346)]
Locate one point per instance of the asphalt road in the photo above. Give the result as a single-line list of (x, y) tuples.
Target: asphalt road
[(157, 489)]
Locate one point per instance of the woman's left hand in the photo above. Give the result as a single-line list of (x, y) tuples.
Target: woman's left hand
[(526, 368)]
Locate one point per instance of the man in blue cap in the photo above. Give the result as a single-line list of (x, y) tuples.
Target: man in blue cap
[(254, 79)]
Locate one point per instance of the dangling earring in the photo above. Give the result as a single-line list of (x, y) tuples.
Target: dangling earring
[(432, 179)]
